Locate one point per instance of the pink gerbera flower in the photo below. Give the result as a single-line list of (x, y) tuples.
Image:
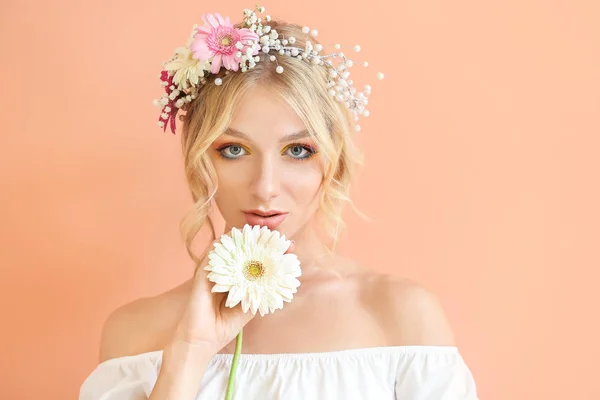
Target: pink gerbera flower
[(218, 39)]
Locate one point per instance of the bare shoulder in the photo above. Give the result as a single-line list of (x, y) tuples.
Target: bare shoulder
[(409, 313), (142, 325)]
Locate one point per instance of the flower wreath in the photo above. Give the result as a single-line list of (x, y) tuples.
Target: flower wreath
[(218, 44)]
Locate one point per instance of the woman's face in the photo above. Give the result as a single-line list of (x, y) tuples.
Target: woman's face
[(266, 162)]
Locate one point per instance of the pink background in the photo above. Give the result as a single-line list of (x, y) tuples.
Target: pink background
[(481, 172)]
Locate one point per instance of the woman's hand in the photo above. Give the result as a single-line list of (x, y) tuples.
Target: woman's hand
[(206, 322)]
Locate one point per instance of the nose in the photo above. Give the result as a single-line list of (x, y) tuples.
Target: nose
[(265, 185)]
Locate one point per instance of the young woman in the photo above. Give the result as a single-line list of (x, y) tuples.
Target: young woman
[(267, 139)]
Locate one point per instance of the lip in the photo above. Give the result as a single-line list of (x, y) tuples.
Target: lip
[(264, 213), (253, 218)]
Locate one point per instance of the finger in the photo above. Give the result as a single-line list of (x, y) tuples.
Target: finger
[(291, 248), (201, 285), (237, 317)]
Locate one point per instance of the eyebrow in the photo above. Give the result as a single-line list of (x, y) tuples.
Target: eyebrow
[(292, 136)]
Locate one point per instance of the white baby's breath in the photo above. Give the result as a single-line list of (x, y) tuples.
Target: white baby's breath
[(187, 73), (251, 266)]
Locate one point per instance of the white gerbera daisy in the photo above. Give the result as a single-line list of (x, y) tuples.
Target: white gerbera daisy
[(251, 265)]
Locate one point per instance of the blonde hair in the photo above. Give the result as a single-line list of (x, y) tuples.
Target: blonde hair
[(303, 86)]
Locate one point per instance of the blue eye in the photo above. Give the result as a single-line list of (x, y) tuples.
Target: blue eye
[(231, 151), (300, 152), (297, 152)]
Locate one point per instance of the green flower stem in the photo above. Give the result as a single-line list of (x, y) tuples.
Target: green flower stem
[(234, 364)]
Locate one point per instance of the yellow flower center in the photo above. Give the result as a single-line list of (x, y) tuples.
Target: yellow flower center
[(254, 270), (225, 41)]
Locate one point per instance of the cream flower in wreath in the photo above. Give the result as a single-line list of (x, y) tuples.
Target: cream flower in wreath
[(251, 265), (188, 69)]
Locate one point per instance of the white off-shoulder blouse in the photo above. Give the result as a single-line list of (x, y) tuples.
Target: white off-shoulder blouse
[(377, 373)]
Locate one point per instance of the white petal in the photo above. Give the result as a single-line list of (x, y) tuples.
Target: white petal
[(228, 243), (222, 251), (263, 309), (273, 242), (222, 279), (247, 235), (288, 282), (255, 303), (290, 265), (275, 301), (279, 303), (263, 237), (221, 271), (218, 263), (220, 288), (286, 294), (236, 235), (247, 298), (234, 297), (283, 245)]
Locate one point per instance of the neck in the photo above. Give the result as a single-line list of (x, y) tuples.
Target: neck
[(313, 254)]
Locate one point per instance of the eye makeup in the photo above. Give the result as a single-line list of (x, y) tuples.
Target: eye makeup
[(234, 151), (310, 151)]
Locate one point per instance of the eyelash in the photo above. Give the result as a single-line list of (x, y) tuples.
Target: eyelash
[(311, 151)]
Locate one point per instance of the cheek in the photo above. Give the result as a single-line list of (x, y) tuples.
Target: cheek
[(229, 174), (232, 184), (304, 184)]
